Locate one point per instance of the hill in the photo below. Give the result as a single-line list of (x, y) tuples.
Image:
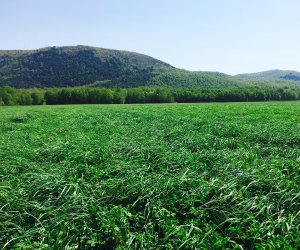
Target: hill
[(72, 66), (76, 66), (188, 79), (274, 75), (214, 73), (212, 80)]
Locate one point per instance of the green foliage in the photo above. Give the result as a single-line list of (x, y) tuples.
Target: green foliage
[(186, 79), (160, 176), (79, 95), (37, 98), (73, 66), (85, 95), (213, 73), (274, 75), (76, 66), (212, 80), (10, 96)]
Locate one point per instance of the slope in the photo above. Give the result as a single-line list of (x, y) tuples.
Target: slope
[(72, 66), (76, 66), (214, 73), (187, 79), (274, 75)]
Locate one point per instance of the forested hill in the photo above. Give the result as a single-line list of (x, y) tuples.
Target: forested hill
[(76, 66), (214, 73), (73, 66), (274, 75), (212, 80)]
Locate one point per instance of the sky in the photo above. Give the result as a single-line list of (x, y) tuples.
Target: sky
[(229, 36)]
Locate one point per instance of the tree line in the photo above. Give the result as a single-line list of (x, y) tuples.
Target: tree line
[(85, 95), (10, 96)]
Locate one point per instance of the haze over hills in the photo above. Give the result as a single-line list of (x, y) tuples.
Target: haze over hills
[(275, 74), (213, 80), (72, 66)]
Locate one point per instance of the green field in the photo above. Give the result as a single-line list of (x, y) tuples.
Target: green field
[(160, 176)]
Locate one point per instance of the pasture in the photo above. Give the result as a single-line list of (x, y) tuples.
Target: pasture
[(152, 176)]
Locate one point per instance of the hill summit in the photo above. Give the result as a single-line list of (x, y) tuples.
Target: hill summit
[(72, 66), (76, 66)]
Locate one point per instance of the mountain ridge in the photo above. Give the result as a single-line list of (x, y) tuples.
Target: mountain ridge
[(81, 65), (275, 74), (76, 66)]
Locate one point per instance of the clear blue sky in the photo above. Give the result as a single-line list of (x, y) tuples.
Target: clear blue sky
[(230, 36)]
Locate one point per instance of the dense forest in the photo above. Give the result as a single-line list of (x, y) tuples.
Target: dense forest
[(10, 96), (74, 66), (212, 80), (275, 74), (85, 95)]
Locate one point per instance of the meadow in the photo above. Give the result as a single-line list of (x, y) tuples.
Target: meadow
[(150, 176)]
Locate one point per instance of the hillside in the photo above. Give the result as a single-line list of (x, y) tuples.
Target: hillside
[(73, 66), (76, 66), (212, 80), (214, 73), (274, 75), (187, 79)]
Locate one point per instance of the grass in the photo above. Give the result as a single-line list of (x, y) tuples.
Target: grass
[(161, 176)]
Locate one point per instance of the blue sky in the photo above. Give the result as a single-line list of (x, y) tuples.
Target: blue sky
[(229, 36)]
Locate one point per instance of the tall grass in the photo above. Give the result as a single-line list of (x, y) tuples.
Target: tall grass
[(164, 176)]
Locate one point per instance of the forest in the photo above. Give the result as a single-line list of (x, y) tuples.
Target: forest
[(74, 66), (275, 74), (10, 96)]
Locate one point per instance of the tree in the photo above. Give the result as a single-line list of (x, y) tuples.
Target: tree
[(25, 98), (64, 96), (107, 96), (51, 96), (79, 96), (119, 98), (10, 96), (94, 96), (37, 98)]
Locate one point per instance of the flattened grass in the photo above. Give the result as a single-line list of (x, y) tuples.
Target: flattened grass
[(160, 176)]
